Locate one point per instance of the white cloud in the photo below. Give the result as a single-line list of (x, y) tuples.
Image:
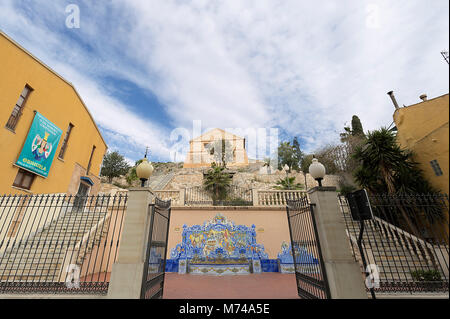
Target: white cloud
[(125, 130), (304, 67), (200, 79)]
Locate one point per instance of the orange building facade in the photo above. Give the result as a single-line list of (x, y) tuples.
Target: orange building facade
[(28, 89)]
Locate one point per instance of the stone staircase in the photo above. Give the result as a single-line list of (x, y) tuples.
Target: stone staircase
[(43, 256), (395, 252), (161, 181)]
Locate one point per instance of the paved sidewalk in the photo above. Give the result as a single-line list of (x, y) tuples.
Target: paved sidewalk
[(254, 286)]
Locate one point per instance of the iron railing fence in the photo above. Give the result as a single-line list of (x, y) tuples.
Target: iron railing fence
[(407, 241), (197, 196), (235, 196), (55, 243), (312, 282), (156, 253)]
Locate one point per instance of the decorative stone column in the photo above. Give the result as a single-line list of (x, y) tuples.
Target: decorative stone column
[(182, 265), (127, 273), (343, 272), (255, 197), (182, 261), (182, 196), (256, 263)]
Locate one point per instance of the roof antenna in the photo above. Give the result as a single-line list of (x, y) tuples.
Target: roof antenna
[(445, 55)]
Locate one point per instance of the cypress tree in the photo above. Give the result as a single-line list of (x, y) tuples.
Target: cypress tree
[(357, 129)]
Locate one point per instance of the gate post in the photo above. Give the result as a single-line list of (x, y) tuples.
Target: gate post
[(127, 272), (343, 272)]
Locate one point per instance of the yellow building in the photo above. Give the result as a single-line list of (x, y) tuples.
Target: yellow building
[(202, 153), (31, 94), (423, 129)]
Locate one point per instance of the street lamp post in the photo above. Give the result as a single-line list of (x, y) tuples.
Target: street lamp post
[(286, 169), (144, 170), (317, 171)]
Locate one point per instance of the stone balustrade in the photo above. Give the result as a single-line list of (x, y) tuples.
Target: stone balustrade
[(276, 197), (260, 197)]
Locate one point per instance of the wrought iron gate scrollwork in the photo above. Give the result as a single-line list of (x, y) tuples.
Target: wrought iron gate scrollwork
[(156, 254)]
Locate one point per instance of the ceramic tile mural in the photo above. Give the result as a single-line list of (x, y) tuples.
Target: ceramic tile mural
[(306, 262), (219, 247)]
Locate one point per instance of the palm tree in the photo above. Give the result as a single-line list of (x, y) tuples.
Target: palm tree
[(217, 182), (385, 168), (288, 183)]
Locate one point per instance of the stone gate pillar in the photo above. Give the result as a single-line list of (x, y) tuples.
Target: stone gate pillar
[(127, 272), (344, 274)]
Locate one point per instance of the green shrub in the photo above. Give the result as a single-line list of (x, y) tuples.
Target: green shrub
[(117, 184), (426, 275), (237, 201), (288, 183), (346, 189)]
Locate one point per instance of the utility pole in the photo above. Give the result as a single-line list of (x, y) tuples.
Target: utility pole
[(445, 55)]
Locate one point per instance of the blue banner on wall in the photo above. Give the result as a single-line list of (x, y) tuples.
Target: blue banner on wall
[(40, 146)]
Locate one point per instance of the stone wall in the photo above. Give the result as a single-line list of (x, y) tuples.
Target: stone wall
[(185, 179), (110, 189), (249, 177), (268, 181), (74, 183)]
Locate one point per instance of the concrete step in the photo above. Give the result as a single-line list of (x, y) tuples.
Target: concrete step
[(43, 254), (30, 266), (36, 272), (78, 225), (43, 250), (75, 224), (33, 254)]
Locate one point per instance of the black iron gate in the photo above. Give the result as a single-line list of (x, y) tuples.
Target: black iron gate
[(309, 268), (154, 269)]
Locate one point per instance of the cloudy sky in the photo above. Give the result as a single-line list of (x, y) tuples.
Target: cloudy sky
[(148, 69)]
